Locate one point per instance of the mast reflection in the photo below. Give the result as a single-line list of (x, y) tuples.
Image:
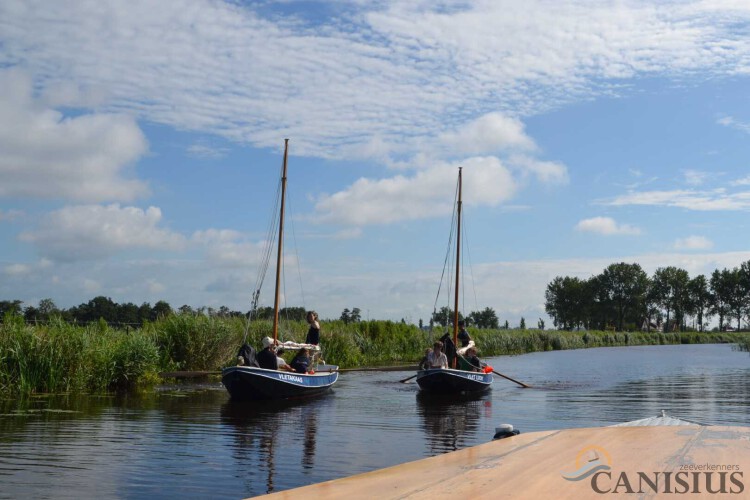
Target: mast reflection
[(450, 422), (263, 430)]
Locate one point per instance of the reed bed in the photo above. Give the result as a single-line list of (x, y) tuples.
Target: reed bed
[(62, 357)]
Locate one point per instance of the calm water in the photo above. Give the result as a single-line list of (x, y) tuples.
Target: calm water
[(190, 441)]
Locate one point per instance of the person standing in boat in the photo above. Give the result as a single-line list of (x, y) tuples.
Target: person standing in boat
[(313, 334), (463, 335), (437, 358), (267, 356)]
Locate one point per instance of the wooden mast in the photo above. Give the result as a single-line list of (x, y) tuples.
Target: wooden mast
[(279, 253), (458, 263)]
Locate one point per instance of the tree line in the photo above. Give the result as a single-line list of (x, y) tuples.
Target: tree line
[(624, 297)]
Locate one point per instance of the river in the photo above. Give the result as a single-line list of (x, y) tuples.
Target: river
[(190, 441)]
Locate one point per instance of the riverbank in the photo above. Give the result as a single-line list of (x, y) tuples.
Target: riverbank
[(61, 357)]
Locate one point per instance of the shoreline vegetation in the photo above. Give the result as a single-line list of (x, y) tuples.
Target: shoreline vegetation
[(60, 357)]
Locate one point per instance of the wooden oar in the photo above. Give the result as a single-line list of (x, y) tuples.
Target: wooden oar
[(407, 379), (525, 386)]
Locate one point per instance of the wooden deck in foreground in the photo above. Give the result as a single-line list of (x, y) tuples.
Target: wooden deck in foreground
[(532, 466)]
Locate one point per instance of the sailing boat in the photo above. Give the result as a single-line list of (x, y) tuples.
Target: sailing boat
[(247, 382), (451, 380)]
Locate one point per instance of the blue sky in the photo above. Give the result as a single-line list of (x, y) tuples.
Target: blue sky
[(142, 144)]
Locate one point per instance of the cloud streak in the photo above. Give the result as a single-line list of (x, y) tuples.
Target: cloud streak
[(606, 226)]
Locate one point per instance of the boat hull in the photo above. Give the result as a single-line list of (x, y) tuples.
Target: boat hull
[(250, 383), (448, 381)]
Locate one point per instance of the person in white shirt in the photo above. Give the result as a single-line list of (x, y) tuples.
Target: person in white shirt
[(437, 358)]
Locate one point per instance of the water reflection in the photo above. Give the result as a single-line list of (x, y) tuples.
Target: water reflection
[(450, 422), (261, 429)]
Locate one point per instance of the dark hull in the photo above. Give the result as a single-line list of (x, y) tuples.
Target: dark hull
[(446, 381), (249, 383)]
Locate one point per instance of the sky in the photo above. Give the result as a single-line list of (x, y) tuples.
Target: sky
[(141, 144)]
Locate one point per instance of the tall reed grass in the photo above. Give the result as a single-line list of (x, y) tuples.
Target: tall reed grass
[(62, 357)]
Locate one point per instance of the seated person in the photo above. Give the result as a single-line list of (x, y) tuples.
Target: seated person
[(301, 362), (437, 358), (281, 363), (471, 362), (423, 363), (267, 356)]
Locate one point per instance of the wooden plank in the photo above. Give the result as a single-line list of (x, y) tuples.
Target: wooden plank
[(532, 466)]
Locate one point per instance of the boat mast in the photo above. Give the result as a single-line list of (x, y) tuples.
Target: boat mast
[(458, 262), (281, 242)]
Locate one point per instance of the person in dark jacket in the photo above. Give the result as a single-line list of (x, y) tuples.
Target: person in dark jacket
[(313, 334), (475, 364), (301, 362), (267, 356), (463, 335)]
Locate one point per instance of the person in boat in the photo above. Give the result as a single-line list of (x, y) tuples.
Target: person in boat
[(301, 362), (437, 358), (267, 356), (281, 363), (471, 362), (423, 363), (463, 335), (313, 334)]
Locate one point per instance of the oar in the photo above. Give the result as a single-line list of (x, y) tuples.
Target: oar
[(407, 379), (525, 386)]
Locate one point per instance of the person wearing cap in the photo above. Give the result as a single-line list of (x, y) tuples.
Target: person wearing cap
[(473, 362), (463, 335), (267, 357)]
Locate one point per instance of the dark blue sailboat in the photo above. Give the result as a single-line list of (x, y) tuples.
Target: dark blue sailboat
[(451, 380), (249, 381)]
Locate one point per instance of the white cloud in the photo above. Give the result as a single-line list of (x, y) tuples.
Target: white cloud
[(547, 172), (606, 226), (490, 133), (47, 156), (207, 152), (731, 122), (717, 199), (745, 181), (405, 73), (10, 215), (696, 178), (93, 231), (16, 269), (229, 248), (428, 193), (693, 243)]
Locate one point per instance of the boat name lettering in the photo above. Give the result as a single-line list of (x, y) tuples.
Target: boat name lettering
[(476, 377), (291, 378)]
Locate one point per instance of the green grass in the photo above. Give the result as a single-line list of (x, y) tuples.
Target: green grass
[(61, 357)]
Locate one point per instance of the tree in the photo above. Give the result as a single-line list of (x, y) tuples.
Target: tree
[(10, 306), (671, 292), (356, 315), (486, 318), (522, 326), (721, 294), (161, 309), (700, 299), (622, 292), (540, 324), (444, 317), (346, 316)]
